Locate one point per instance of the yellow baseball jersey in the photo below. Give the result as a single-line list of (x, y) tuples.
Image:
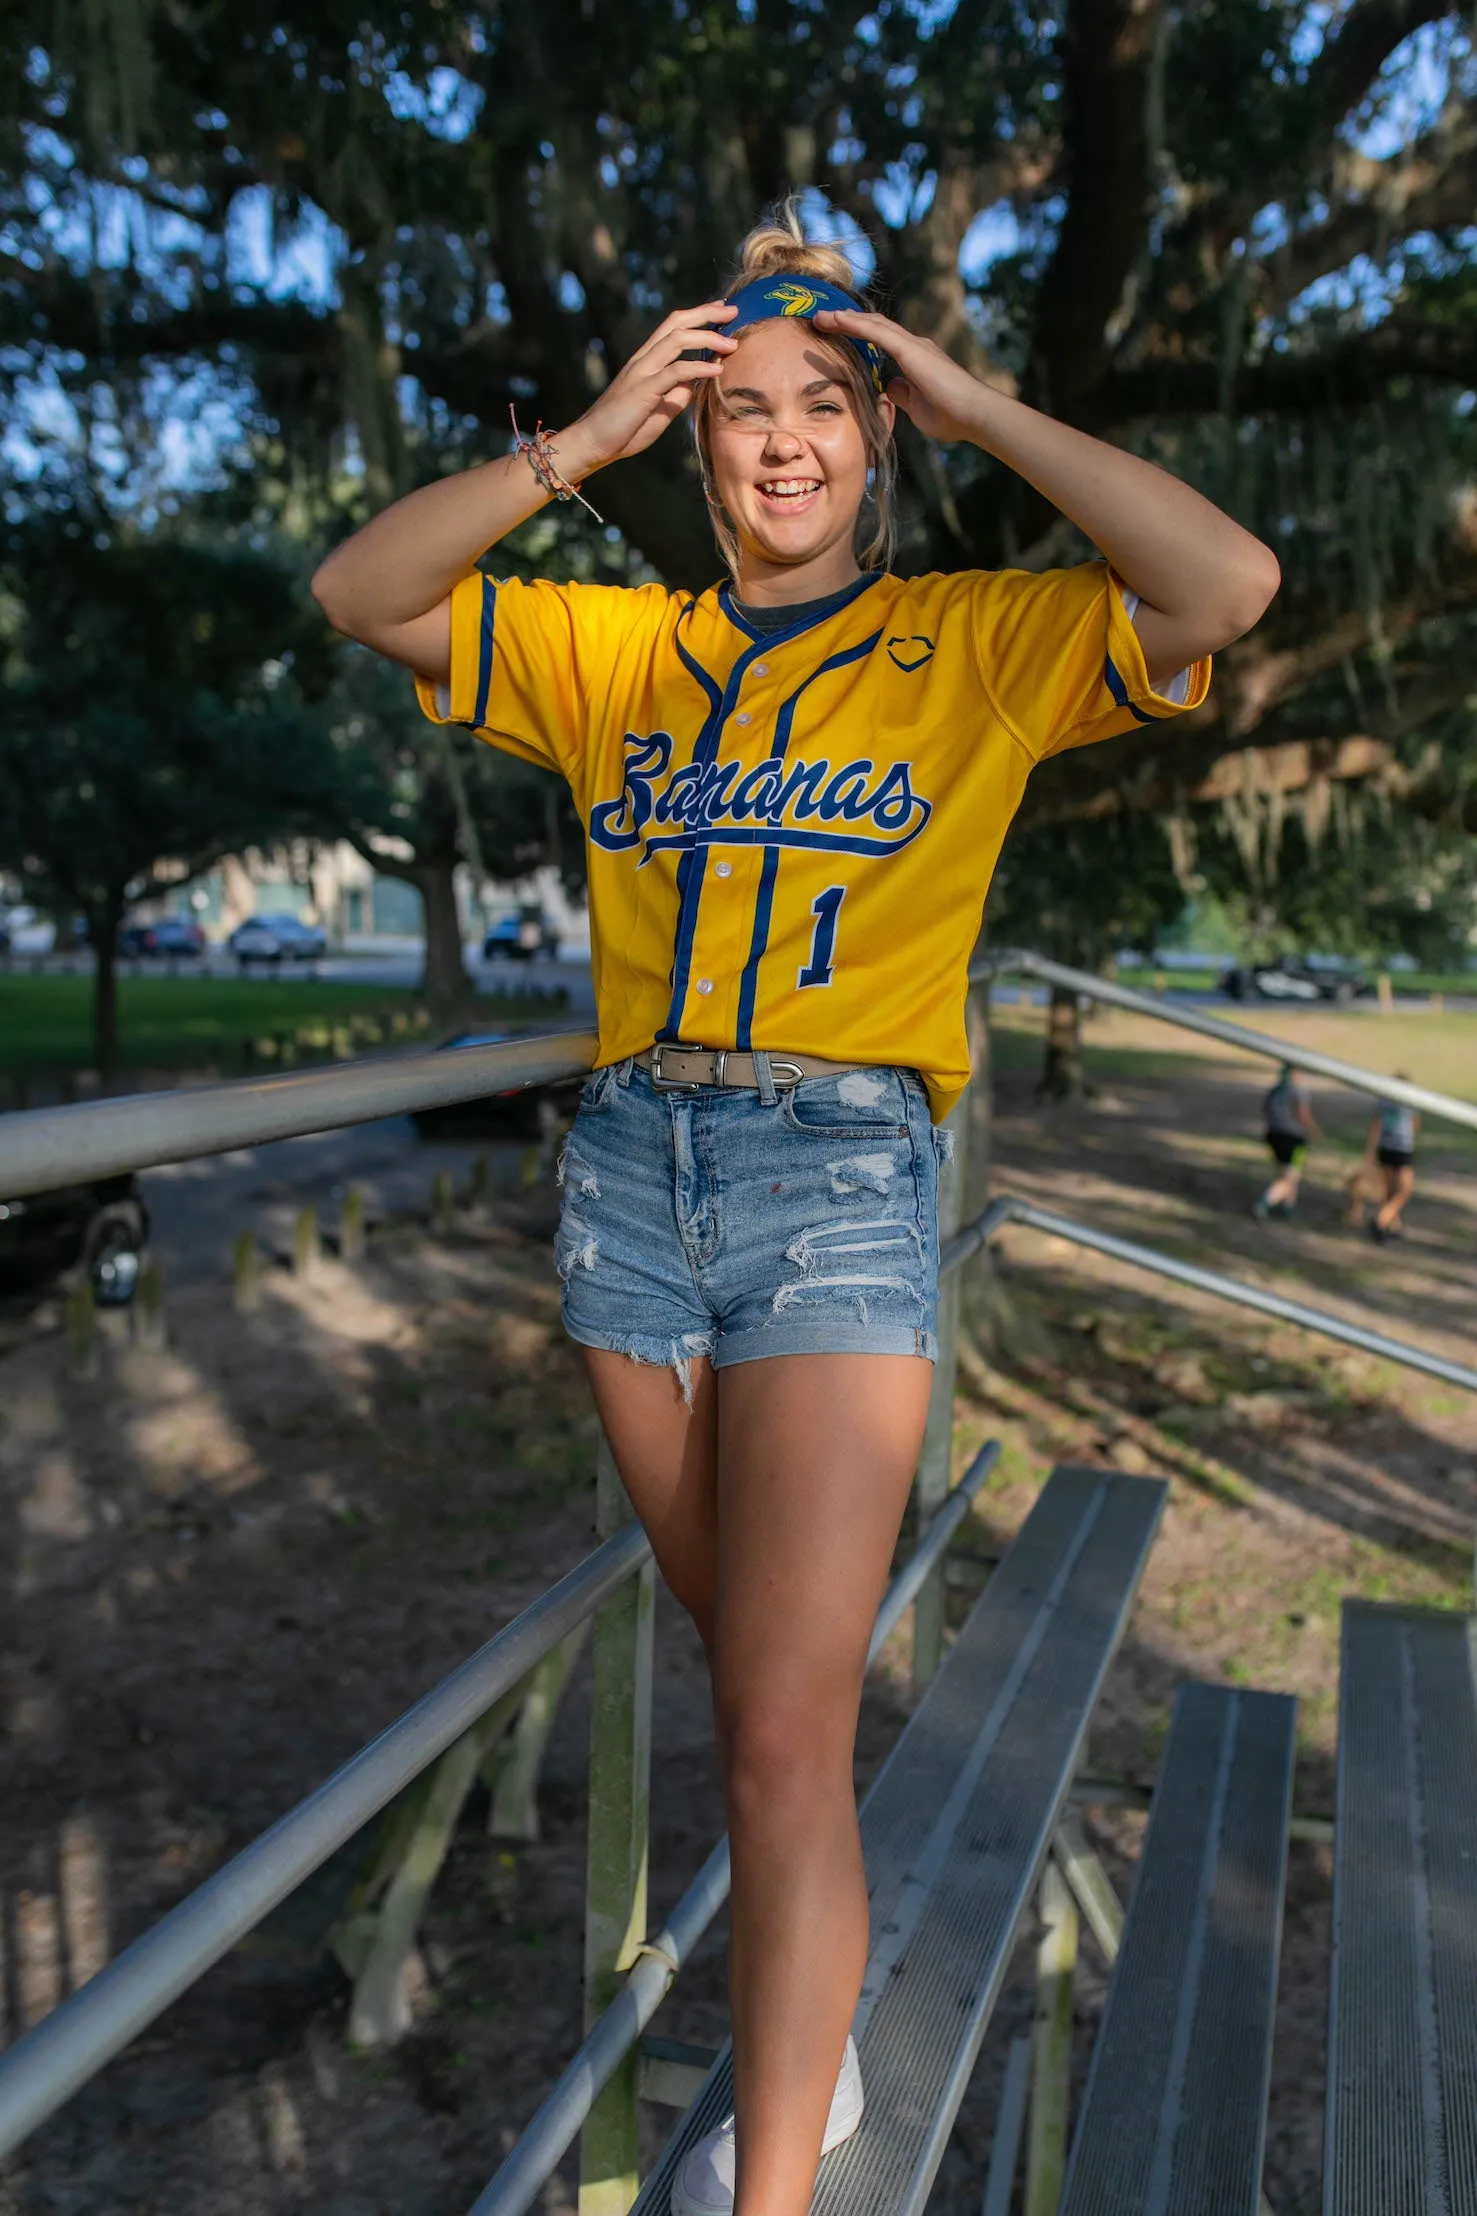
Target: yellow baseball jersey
[(791, 834)]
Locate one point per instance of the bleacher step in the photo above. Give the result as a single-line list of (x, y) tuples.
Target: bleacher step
[(1173, 2119), (956, 1828), (1401, 2126)]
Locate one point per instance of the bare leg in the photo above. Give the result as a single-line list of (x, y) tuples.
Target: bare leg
[(666, 1451), (816, 1457), (773, 1504), (1399, 1185), (1283, 1190)]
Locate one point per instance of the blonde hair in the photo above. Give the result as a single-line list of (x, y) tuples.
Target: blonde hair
[(778, 247)]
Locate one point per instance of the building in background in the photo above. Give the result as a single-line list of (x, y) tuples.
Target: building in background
[(362, 909)]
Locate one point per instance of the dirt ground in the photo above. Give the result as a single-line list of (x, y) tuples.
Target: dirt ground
[(231, 1562)]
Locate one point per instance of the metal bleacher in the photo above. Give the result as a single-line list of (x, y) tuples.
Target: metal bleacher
[(1401, 2135), (1173, 2117), (956, 1830), (971, 1839)]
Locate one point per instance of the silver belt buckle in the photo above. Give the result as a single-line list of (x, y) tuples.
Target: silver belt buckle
[(661, 1084)]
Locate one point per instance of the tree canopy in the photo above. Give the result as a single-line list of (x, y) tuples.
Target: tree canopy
[(337, 241), (142, 728)]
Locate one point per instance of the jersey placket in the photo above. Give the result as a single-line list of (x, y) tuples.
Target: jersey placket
[(779, 744), (734, 877), (712, 1000)]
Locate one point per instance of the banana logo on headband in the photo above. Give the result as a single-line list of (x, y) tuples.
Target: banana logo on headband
[(765, 297), (797, 299)]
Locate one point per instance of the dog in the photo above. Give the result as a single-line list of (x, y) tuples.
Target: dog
[(1364, 1188)]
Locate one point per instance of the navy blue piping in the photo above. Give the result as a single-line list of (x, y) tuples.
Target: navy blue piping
[(695, 669), (484, 652), (694, 863), (813, 842), (749, 983), (785, 632), (764, 900), (1119, 691)]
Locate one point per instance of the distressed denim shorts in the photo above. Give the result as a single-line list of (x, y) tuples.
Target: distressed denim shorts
[(708, 1223)]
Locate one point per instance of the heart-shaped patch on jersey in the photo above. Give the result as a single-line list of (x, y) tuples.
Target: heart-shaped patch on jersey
[(910, 654)]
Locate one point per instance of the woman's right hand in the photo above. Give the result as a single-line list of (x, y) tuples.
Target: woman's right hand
[(390, 585), (655, 386)]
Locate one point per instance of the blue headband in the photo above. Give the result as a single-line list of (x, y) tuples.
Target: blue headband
[(766, 297)]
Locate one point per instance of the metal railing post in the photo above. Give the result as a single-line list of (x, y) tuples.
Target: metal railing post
[(934, 1462), (616, 1855), (1051, 2045), (512, 1771), (383, 2003)]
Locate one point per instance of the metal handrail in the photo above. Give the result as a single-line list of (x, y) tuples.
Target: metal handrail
[(41, 1148), (47, 2066), (1007, 1209), (1019, 962), (546, 2139)]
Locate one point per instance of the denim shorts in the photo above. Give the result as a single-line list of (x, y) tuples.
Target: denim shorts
[(708, 1223)]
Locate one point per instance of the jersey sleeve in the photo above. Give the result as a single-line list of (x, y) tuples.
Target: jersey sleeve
[(1061, 660), (529, 661)]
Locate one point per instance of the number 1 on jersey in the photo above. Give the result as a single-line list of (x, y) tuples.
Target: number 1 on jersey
[(825, 908)]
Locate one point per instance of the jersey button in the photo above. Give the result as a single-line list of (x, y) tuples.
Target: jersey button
[(723, 869), (705, 984), (761, 669), (744, 718)]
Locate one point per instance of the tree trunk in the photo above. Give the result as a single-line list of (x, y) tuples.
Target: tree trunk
[(444, 980), (1061, 1072), (103, 928)]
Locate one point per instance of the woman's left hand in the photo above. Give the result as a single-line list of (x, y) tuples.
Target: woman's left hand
[(942, 399), (1201, 579)]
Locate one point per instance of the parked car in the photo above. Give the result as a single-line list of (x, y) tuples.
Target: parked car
[(171, 935), (277, 938), (520, 936), (1301, 977), (511, 1114), (101, 1228)]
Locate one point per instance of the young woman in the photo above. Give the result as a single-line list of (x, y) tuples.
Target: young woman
[(795, 787), (1391, 1145), (1291, 1126)]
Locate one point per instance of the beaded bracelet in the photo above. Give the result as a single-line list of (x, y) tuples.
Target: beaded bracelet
[(541, 461)]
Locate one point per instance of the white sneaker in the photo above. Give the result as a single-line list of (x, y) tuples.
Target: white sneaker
[(703, 2185)]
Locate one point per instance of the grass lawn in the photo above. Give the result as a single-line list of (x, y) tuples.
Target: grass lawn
[(225, 1023), (1435, 1050)]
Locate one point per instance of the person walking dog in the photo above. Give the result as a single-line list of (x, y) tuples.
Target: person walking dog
[(794, 787), (1391, 1147)]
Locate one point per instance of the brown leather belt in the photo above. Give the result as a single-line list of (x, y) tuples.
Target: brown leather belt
[(687, 1069)]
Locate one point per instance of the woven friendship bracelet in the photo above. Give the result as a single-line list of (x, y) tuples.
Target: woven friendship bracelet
[(540, 457)]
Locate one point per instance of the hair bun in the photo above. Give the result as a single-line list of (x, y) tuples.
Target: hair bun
[(779, 248)]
